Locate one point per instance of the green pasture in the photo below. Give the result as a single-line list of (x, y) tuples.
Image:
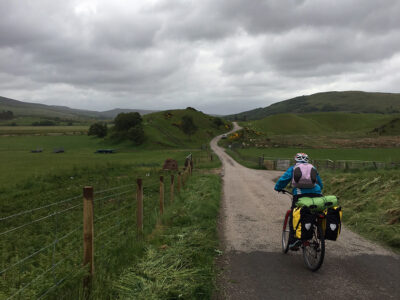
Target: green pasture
[(43, 130), (332, 123), (17, 163), (364, 154)]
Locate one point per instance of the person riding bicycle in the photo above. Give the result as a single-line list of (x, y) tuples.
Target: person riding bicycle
[(314, 190)]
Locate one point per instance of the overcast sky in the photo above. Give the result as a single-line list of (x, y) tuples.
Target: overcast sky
[(217, 56)]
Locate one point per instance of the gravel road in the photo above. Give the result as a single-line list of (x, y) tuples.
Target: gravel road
[(254, 266)]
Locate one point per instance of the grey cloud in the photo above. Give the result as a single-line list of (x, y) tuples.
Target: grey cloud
[(219, 56)]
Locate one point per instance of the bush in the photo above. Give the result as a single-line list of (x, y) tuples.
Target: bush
[(129, 126), (98, 129), (218, 122), (188, 126)]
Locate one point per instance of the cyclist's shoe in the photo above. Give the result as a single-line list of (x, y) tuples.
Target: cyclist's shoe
[(295, 245)]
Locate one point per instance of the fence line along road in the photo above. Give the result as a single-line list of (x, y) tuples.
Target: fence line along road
[(90, 220)]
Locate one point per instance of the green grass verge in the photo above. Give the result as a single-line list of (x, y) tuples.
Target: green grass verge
[(370, 201), (178, 262)]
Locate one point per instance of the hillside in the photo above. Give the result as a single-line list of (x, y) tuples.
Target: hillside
[(25, 109), (163, 129), (320, 123), (349, 101)]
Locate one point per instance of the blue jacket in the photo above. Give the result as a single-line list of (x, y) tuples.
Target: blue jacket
[(287, 177)]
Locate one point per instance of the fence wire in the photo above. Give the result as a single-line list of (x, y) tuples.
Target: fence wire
[(40, 250), (40, 219), (38, 208)]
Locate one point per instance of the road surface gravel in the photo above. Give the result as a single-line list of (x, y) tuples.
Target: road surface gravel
[(254, 266)]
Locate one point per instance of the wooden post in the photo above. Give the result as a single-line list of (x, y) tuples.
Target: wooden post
[(139, 206), (183, 177), (161, 195), (172, 187), (179, 182), (88, 234)]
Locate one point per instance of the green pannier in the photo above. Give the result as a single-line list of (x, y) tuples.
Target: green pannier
[(318, 203)]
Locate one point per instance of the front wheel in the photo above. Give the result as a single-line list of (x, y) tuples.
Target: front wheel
[(314, 249)]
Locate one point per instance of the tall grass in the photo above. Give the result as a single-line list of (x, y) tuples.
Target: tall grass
[(178, 262), (371, 202)]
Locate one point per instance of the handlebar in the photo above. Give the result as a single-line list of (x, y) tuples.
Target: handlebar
[(285, 192)]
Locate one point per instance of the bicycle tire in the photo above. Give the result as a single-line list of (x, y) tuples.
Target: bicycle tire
[(318, 237), (285, 235)]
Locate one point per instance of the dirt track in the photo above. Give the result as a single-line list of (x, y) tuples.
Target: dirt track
[(254, 267)]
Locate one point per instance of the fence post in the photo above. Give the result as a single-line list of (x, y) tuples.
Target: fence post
[(139, 206), (161, 195), (179, 182), (88, 234), (172, 188)]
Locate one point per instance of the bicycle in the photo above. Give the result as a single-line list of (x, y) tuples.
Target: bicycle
[(314, 248)]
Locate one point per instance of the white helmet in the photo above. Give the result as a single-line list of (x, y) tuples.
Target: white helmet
[(301, 157)]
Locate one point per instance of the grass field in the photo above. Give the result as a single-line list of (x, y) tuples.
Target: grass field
[(43, 130), (364, 154), (333, 123), (18, 163), (41, 251)]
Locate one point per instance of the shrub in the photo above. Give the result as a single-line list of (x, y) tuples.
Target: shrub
[(98, 129)]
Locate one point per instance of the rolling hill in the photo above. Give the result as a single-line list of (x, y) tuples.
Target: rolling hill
[(324, 123), (349, 101), (163, 129), (20, 108)]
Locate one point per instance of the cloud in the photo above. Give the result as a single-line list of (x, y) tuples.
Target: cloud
[(219, 56)]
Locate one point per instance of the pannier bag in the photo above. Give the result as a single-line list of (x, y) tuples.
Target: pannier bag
[(302, 221), (304, 176), (333, 223), (318, 203)]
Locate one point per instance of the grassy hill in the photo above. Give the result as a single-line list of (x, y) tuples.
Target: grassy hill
[(163, 129), (349, 101), (321, 123)]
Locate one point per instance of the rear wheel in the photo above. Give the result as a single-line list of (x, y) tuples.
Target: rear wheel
[(314, 249), (285, 234)]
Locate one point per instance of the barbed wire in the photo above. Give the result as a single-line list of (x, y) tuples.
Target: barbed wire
[(113, 195), (57, 284), (40, 219), (40, 250), (38, 208), (112, 189), (111, 213), (41, 275)]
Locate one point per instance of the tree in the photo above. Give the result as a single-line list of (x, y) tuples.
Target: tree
[(6, 115), (218, 122), (136, 134), (188, 126), (125, 121), (129, 126), (98, 129)]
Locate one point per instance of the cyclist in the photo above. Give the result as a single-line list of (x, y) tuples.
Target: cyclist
[(315, 191)]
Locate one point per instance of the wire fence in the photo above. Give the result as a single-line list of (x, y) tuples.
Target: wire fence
[(30, 270), (282, 164)]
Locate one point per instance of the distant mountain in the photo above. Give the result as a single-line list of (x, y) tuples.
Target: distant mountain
[(111, 114), (20, 108), (349, 101)]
